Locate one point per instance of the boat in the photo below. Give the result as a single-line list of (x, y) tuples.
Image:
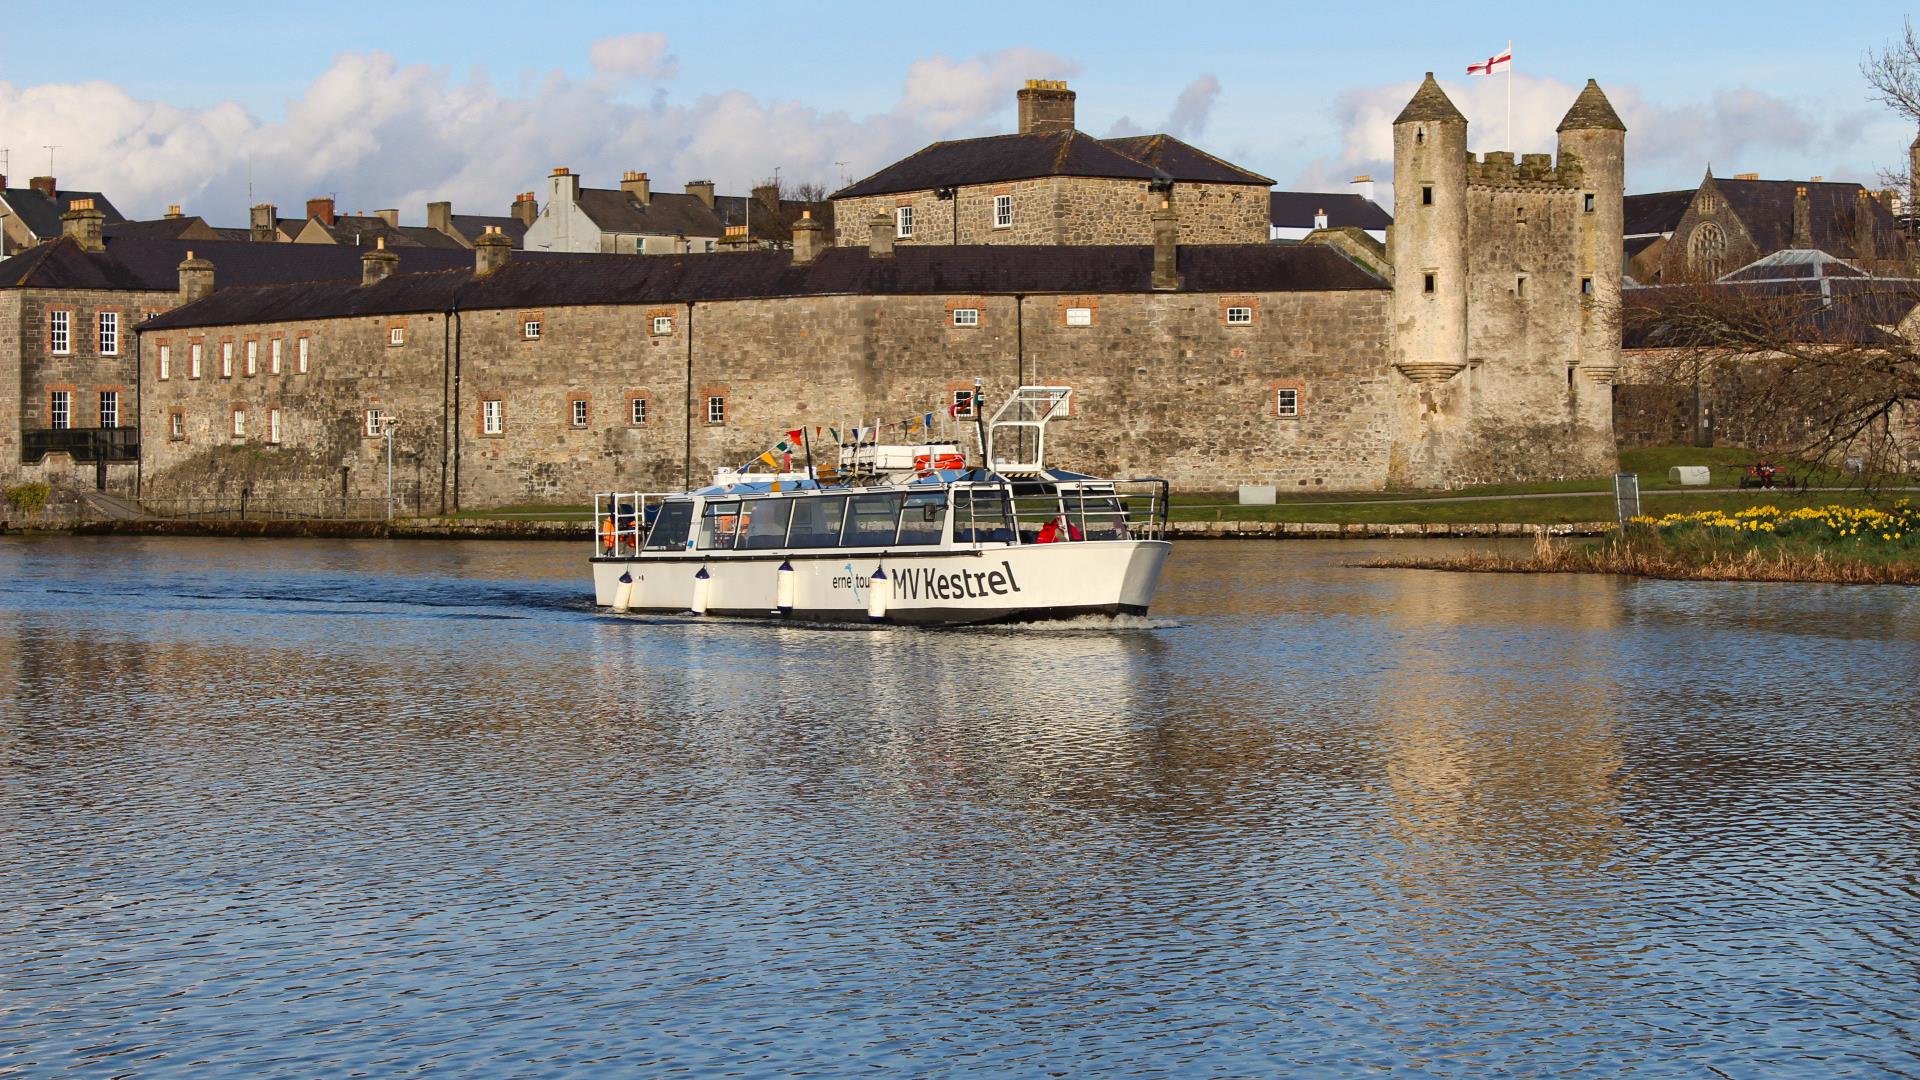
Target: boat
[(919, 532)]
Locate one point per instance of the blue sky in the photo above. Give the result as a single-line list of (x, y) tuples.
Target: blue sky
[(395, 103)]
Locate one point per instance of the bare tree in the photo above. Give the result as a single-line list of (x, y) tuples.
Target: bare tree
[(1893, 73), (778, 203)]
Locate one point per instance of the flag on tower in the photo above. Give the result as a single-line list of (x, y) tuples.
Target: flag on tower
[(1492, 63)]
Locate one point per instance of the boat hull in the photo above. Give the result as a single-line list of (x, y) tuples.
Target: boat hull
[(990, 584)]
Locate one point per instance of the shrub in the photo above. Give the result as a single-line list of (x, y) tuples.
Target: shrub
[(29, 498)]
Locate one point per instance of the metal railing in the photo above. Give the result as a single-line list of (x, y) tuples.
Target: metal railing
[(245, 506), (1040, 514), (114, 444)]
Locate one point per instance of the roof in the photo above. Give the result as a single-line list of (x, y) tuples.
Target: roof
[(1835, 310), (1591, 111), (732, 210), (168, 228), (41, 215), (1795, 264), (1429, 103), (1297, 210), (1183, 162), (363, 230), (140, 264), (1656, 212), (997, 158), (935, 269), (1765, 208), (474, 226), (663, 214)]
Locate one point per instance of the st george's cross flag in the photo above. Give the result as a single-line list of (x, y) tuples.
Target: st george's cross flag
[(1492, 63)]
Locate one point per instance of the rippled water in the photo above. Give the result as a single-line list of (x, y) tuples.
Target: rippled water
[(303, 809)]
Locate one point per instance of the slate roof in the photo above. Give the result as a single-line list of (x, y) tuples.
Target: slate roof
[(1429, 103), (365, 230), (1655, 212), (41, 215), (156, 229), (1296, 210), (935, 269), (1765, 207), (473, 226), (1591, 111), (663, 214), (139, 264), (1182, 161), (998, 158)]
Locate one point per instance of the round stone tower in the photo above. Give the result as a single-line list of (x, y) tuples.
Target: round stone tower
[(1593, 136), (1429, 240)]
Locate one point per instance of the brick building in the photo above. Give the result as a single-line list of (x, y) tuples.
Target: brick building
[(1481, 348), (1052, 184)]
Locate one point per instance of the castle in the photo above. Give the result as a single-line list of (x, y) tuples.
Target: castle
[(1478, 347)]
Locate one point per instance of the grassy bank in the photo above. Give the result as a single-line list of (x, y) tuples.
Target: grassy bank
[(1841, 544)]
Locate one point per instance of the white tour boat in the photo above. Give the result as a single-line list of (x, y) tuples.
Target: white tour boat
[(904, 533)]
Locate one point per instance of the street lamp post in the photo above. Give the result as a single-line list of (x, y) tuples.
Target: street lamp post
[(387, 424)]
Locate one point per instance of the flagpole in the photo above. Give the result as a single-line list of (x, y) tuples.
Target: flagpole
[(1510, 143)]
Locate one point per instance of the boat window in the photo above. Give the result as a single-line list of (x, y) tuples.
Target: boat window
[(1097, 516), (981, 515), (816, 521), (717, 527), (1033, 509), (670, 527), (924, 520), (766, 522), (871, 521)]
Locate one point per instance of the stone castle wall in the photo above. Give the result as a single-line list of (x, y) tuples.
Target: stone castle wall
[(1064, 210)]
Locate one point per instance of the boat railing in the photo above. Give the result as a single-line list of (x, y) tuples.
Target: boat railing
[(620, 521), (1102, 510)]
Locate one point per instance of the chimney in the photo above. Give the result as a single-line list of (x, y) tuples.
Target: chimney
[(440, 217), (321, 209), (809, 239), (1863, 248), (880, 236), (1046, 106), (1363, 187), (702, 190), (563, 187), (196, 279), (43, 185), (261, 222), (379, 264), (491, 250), (1746, 176), (391, 217), (1166, 246), (637, 185), (525, 208), (1320, 218), (1802, 219), (173, 212), (83, 223)]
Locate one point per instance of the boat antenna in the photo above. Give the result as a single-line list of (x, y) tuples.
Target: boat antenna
[(980, 426), (806, 441)]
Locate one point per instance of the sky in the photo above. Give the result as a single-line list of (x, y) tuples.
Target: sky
[(217, 106)]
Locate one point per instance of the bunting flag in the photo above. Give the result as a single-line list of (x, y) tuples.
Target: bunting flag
[(835, 432), (796, 435), (768, 459), (910, 425)]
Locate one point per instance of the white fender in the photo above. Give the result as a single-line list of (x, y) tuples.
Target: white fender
[(623, 593), (702, 591), (877, 590), (784, 588)]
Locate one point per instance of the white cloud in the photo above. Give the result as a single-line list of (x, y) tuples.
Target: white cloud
[(1192, 108), (640, 55), (379, 133)]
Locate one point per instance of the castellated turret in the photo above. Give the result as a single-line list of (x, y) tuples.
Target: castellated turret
[(1429, 241), (1592, 135)]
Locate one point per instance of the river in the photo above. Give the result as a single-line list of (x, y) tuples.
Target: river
[(291, 808)]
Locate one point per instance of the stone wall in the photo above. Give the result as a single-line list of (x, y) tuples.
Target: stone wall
[(1064, 210)]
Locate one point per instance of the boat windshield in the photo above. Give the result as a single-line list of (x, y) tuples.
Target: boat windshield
[(670, 526), (718, 525), (765, 522), (981, 514), (924, 520)]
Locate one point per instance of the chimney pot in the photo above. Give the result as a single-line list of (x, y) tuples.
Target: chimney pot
[(321, 210), (196, 279), (378, 265), (84, 224), (44, 185), (524, 210), (491, 251), (880, 232), (1046, 106)]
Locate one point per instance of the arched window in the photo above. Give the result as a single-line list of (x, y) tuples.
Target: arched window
[(1707, 251)]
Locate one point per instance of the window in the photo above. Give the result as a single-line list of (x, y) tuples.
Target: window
[(1079, 316), (1239, 316), (1429, 281), (273, 357), (1707, 251), (166, 362), (239, 422), (59, 337), (966, 316), (376, 423), (816, 521), (396, 335), (963, 404), (720, 525), (670, 526), (1286, 401), (109, 408), (109, 333), (1520, 286), (924, 520), (226, 359), (1587, 202), (300, 357), (1708, 204), (530, 329), (663, 324), (1426, 194), (872, 521), (765, 522), (903, 222), (193, 360), (273, 425), (176, 425), (1003, 211), (577, 412), (60, 410), (637, 410), (253, 358), (716, 409), (1586, 286), (492, 417)]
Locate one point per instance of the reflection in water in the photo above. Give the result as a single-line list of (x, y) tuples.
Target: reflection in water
[(319, 808)]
